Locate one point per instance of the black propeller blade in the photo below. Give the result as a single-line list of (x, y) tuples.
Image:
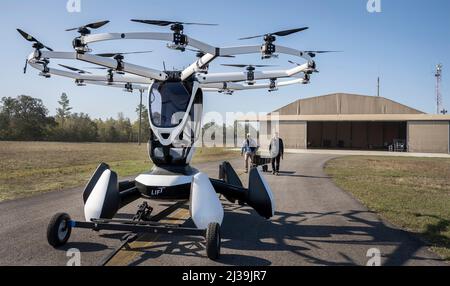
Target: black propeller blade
[(110, 55), (163, 23), (294, 63), (110, 70), (313, 54), (90, 26), (201, 53), (279, 33), (99, 68), (80, 71), (244, 66), (321, 52), (32, 39)]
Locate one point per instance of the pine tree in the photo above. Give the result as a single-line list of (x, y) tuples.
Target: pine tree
[(64, 111)]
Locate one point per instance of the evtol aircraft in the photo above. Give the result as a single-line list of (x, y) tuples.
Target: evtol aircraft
[(175, 109)]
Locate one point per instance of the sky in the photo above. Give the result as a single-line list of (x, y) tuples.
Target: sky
[(402, 44)]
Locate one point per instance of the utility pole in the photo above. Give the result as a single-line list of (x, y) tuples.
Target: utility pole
[(140, 117), (438, 76), (378, 87)]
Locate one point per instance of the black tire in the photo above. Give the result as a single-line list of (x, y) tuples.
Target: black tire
[(213, 241), (59, 230)]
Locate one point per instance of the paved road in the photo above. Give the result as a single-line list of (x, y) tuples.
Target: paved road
[(316, 224)]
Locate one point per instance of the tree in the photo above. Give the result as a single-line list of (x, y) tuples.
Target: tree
[(115, 130), (82, 128), (64, 111), (24, 118)]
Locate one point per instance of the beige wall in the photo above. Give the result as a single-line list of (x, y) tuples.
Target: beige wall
[(428, 137), (293, 134)]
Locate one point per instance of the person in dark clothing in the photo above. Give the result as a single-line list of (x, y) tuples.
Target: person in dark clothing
[(276, 149)]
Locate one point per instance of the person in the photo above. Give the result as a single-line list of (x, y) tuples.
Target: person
[(276, 149), (249, 148)]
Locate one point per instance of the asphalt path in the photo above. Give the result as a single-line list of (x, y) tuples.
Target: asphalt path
[(316, 223)]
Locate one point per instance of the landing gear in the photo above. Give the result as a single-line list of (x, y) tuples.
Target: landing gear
[(59, 230), (213, 241)]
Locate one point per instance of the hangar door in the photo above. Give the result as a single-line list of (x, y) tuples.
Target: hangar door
[(355, 135)]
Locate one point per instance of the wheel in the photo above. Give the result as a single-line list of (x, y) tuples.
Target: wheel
[(213, 241), (59, 230)]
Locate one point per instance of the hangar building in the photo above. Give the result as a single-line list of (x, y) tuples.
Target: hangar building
[(357, 122)]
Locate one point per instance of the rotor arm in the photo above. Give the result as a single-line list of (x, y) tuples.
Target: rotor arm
[(242, 76), (97, 78), (95, 38), (197, 66), (202, 46), (127, 67), (242, 50), (293, 52), (34, 62), (238, 86)]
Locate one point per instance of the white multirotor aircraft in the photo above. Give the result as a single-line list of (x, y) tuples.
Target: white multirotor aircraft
[(175, 108)]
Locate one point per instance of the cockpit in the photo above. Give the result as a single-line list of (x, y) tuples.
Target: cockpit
[(175, 110), (168, 104)]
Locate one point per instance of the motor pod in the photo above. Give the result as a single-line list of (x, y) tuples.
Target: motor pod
[(101, 195), (205, 204), (260, 196)]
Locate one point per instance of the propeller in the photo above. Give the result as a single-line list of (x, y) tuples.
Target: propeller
[(84, 30), (313, 54), (38, 45), (279, 33), (244, 66), (163, 23), (110, 70), (111, 55), (99, 68), (294, 63), (25, 67), (80, 71), (201, 53)]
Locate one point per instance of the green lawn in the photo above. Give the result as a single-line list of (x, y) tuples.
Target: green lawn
[(412, 193), (28, 168)]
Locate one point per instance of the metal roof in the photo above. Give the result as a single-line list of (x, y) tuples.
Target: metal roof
[(344, 103), (349, 117)]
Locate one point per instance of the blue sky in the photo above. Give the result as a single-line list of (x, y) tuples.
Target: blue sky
[(402, 44)]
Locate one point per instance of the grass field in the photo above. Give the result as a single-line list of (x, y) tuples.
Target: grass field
[(28, 168), (412, 193)]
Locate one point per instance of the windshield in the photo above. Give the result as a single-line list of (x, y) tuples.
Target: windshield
[(168, 104)]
